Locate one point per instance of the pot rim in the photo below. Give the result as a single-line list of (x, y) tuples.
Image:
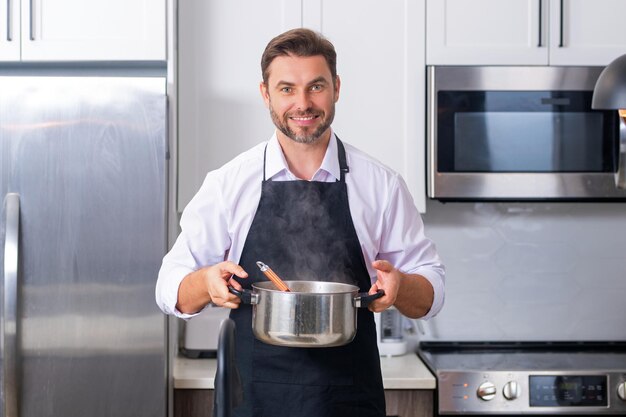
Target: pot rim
[(269, 286)]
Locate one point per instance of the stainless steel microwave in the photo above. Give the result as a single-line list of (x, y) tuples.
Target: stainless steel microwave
[(521, 133)]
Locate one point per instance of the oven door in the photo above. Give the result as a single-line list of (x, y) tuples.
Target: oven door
[(520, 133)]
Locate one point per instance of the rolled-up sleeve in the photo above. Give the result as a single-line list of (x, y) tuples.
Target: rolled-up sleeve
[(203, 241), (406, 246)]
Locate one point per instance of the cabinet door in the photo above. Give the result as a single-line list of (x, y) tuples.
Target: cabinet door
[(9, 30), (584, 32), (486, 32), (409, 403), (380, 61), (193, 402), (82, 30), (220, 109)]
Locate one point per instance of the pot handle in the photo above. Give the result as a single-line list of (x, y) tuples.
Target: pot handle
[(364, 299), (246, 296)]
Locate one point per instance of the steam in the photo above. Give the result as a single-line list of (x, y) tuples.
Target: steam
[(304, 244)]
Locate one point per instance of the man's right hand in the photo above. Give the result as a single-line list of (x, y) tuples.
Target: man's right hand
[(218, 277), (210, 284)]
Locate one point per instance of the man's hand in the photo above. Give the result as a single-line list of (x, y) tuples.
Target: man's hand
[(411, 294), (218, 277), (388, 280), (210, 284)]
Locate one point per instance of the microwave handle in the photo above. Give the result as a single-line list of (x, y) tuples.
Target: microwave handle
[(561, 44), (620, 175), (540, 43)]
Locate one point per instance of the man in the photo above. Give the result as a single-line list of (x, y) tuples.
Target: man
[(311, 207)]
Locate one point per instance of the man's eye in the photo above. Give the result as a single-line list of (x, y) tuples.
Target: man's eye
[(316, 87), (286, 89)]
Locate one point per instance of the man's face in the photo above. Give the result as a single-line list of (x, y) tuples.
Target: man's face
[(301, 97)]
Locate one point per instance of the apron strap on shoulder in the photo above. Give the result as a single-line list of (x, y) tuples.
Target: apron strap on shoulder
[(343, 165)]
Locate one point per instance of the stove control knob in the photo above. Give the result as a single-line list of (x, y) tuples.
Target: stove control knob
[(621, 390), (511, 390), (486, 391)]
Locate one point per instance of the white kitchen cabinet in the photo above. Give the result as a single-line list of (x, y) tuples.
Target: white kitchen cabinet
[(381, 106), (380, 61), (524, 32), (82, 30), (485, 32), (9, 30), (584, 32)]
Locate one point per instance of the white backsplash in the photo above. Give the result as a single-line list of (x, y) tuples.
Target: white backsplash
[(530, 271)]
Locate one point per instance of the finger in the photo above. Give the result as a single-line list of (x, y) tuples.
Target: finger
[(233, 283), (376, 306), (223, 294), (233, 268), (218, 288), (231, 304), (234, 297), (382, 265), (226, 299), (379, 305), (218, 301)]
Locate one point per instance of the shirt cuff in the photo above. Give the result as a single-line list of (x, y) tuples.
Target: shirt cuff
[(167, 291), (438, 291)]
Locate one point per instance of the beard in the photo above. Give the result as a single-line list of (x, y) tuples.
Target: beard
[(308, 135)]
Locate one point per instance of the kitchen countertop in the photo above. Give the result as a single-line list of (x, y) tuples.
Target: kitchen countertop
[(399, 372)]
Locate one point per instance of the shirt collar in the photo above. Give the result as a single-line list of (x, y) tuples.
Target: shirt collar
[(275, 162)]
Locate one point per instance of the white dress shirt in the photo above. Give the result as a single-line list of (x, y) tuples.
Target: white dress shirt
[(215, 223)]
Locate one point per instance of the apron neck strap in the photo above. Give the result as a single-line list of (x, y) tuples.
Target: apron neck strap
[(341, 151), (343, 165), (264, 160)]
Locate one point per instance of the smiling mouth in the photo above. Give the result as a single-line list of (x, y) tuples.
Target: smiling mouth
[(303, 118)]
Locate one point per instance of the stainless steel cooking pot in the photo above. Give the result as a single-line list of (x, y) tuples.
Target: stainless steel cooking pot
[(312, 314)]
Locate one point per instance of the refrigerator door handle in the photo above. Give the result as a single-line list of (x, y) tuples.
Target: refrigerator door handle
[(9, 316)]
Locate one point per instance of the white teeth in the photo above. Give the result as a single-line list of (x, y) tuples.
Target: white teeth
[(303, 118)]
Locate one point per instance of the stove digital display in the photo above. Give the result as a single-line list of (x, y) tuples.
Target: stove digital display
[(568, 391)]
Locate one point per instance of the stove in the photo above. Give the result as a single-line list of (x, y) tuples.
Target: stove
[(521, 378)]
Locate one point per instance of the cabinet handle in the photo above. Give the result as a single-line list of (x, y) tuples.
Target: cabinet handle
[(9, 20), (9, 316), (32, 20), (561, 27), (539, 44)]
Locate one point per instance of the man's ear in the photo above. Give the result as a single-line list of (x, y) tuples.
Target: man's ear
[(264, 93), (337, 86)]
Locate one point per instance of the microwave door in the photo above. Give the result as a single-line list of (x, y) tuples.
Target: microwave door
[(520, 139)]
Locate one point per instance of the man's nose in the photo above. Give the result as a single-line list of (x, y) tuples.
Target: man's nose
[(303, 100)]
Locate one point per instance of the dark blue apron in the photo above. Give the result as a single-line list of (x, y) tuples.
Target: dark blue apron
[(304, 231)]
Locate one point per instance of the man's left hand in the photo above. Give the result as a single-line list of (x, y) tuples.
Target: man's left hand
[(388, 279)]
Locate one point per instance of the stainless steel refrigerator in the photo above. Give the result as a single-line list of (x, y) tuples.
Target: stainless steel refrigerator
[(83, 181)]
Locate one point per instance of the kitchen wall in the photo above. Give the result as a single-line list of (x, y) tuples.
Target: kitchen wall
[(530, 271)]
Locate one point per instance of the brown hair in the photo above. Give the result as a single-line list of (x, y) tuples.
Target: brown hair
[(299, 42)]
